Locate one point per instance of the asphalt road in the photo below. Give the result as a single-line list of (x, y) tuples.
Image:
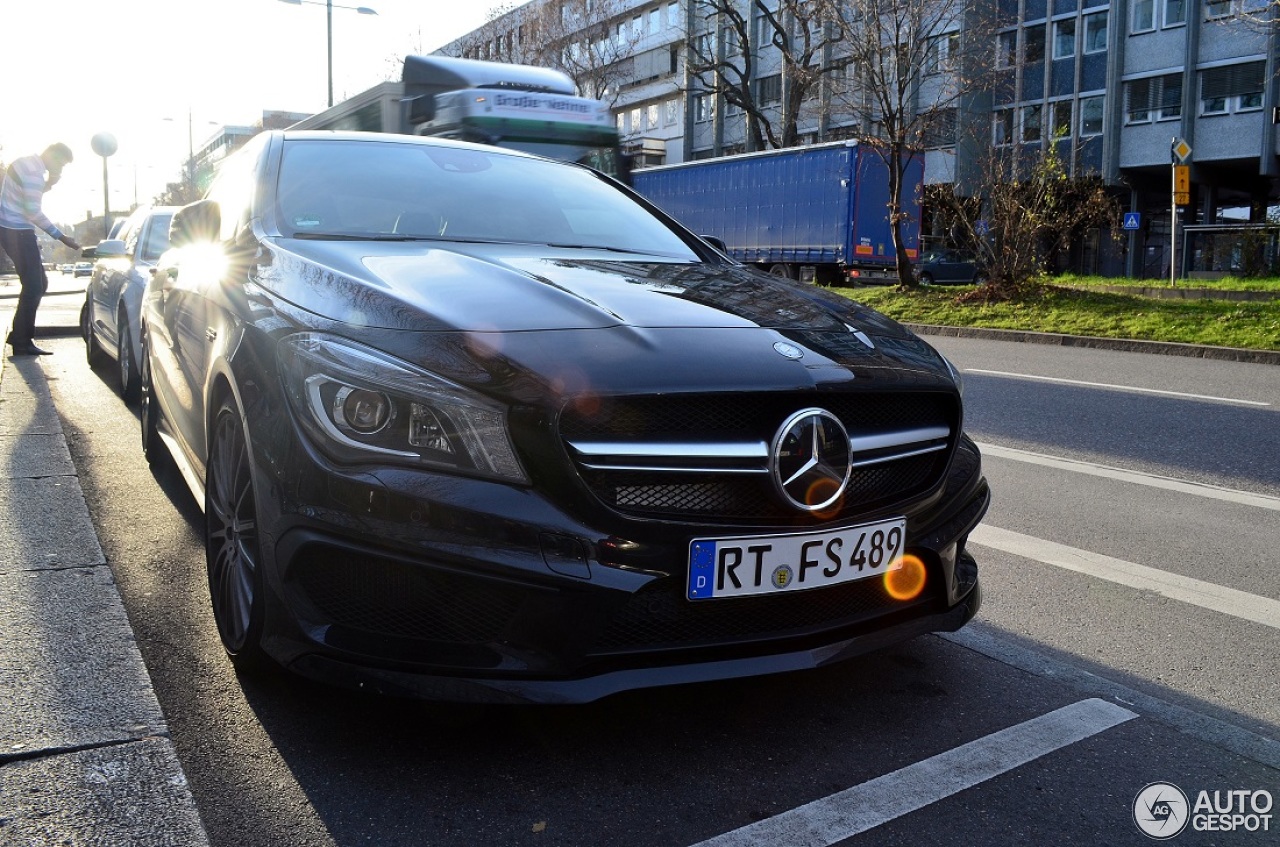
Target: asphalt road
[(1131, 635)]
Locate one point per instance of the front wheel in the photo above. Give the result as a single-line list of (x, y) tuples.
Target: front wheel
[(232, 546), (926, 279), (93, 352), (153, 447), (129, 376)]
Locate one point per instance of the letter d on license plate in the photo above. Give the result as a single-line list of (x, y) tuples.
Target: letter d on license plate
[(767, 564)]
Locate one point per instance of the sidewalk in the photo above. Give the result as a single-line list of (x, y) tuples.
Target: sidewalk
[(85, 754)]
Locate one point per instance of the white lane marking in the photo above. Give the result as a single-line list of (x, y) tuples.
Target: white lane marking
[(1117, 387), (1206, 595), (1230, 495), (863, 807)]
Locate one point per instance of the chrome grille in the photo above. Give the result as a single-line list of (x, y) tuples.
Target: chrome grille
[(707, 456)]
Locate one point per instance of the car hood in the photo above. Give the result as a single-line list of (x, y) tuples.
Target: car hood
[(514, 288), (523, 320)]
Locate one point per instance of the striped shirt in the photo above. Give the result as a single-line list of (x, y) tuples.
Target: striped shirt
[(21, 195)]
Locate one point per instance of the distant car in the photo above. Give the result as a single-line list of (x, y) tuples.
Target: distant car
[(113, 297), (470, 423), (948, 267), (83, 269)]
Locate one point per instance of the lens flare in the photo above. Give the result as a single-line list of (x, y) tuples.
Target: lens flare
[(821, 491), (905, 579)]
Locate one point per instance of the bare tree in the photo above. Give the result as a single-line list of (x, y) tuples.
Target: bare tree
[(731, 48), (908, 64), (503, 37), (593, 41)]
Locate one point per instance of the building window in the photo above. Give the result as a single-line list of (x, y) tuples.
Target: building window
[(1064, 38), (622, 124), (673, 112), (1144, 16), (704, 108), (939, 129), (1158, 97), (1060, 118), (655, 20), (1170, 97), (1235, 88), (770, 89), (653, 115), (1095, 32), (1007, 49), (1217, 9), (1033, 44), (1091, 116), (1002, 127), (1137, 95), (1031, 123), (673, 14), (939, 51), (636, 119), (1175, 12)]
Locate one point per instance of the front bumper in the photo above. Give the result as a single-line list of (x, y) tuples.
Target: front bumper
[(438, 586)]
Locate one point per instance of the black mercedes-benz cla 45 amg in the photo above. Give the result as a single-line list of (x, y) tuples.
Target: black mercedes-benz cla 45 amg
[(472, 424)]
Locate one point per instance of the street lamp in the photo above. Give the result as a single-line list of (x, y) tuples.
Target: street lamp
[(329, 6), (104, 144)]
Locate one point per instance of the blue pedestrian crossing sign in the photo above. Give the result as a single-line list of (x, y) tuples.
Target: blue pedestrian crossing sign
[(1133, 220)]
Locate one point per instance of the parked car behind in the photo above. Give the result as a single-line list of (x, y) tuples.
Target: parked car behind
[(82, 269), (948, 267), (471, 424), (113, 297)]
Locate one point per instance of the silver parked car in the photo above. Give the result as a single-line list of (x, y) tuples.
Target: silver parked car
[(113, 297)]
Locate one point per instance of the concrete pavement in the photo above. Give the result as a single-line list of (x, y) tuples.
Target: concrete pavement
[(85, 754)]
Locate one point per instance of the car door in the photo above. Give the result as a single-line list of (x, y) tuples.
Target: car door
[(108, 278)]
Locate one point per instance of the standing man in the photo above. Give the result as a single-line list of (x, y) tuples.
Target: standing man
[(25, 182)]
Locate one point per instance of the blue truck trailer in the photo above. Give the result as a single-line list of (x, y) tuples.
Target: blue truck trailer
[(817, 214)]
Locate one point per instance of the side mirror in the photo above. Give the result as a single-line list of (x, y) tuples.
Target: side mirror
[(717, 243), (112, 248), (198, 223)]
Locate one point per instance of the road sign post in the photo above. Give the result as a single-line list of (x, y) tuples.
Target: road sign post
[(1179, 195)]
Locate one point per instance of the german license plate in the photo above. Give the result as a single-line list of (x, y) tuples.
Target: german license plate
[(768, 564)]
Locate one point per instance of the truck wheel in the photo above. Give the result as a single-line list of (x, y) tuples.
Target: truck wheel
[(781, 270)]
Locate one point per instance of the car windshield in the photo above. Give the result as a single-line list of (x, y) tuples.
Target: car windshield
[(374, 189)]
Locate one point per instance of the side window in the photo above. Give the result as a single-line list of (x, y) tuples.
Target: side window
[(233, 189)]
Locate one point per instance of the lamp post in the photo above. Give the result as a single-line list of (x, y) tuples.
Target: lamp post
[(104, 144), (329, 6)]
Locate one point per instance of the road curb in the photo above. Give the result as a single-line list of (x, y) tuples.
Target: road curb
[(1127, 345), (85, 752)]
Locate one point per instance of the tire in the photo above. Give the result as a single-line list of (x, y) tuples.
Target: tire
[(781, 270), (153, 447), (129, 376), (93, 352), (926, 279), (232, 546)]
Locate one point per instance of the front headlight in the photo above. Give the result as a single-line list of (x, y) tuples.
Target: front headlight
[(360, 405)]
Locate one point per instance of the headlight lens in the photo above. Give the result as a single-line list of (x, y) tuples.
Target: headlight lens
[(359, 405)]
